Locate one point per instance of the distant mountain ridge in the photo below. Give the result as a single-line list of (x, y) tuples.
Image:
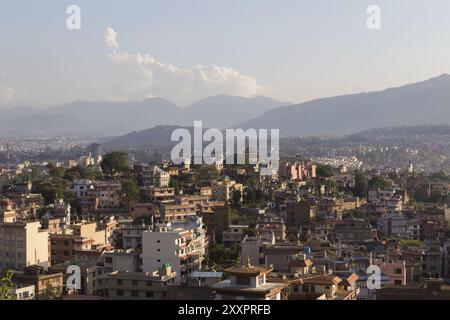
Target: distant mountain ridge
[(116, 118), (226, 111), (422, 103), (426, 102)]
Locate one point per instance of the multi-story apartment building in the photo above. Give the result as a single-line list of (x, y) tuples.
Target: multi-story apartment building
[(47, 284), (177, 211), (270, 226), (393, 225), (108, 193), (131, 236), (7, 211), (23, 245), (139, 285), (154, 176), (223, 190), (182, 245), (160, 194), (122, 260), (81, 186), (297, 170), (234, 234), (62, 247)]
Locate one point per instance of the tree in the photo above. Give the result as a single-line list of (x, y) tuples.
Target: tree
[(331, 186), (51, 293), (129, 192), (361, 185), (324, 171), (249, 195), (377, 182), (6, 285), (207, 172), (175, 184), (115, 162), (57, 172), (236, 198), (80, 172), (222, 256), (52, 189)]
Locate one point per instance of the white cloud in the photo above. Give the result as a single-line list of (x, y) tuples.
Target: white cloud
[(144, 76), (110, 38)]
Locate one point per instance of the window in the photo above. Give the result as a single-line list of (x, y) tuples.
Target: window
[(398, 282), (398, 271), (134, 293), (149, 283), (120, 293), (149, 294), (120, 282), (134, 282)]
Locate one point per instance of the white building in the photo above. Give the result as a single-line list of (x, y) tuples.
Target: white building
[(182, 245), (80, 187)]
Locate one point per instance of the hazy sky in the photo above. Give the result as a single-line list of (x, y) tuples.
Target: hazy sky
[(185, 50)]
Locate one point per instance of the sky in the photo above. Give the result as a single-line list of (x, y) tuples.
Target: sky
[(186, 50)]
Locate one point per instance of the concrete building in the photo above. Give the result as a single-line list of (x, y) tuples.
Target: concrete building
[(23, 292), (234, 234), (353, 230), (223, 190), (122, 261), (155, 176), (182, 245), (433, 259), (177, 212), (131, 236), (269, 226), (393, 225), (108, 194), (23, 245), (139, 285)]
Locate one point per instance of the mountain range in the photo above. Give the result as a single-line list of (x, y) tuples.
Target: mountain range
[(426, 102), (105, 118)]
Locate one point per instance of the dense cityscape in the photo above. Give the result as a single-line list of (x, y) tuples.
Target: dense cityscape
[(157, 230), (216, 159)]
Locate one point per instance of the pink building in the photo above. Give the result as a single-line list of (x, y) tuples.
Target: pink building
[(396, 271)]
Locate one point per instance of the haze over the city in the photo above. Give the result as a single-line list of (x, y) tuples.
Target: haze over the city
[(187, 51)]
